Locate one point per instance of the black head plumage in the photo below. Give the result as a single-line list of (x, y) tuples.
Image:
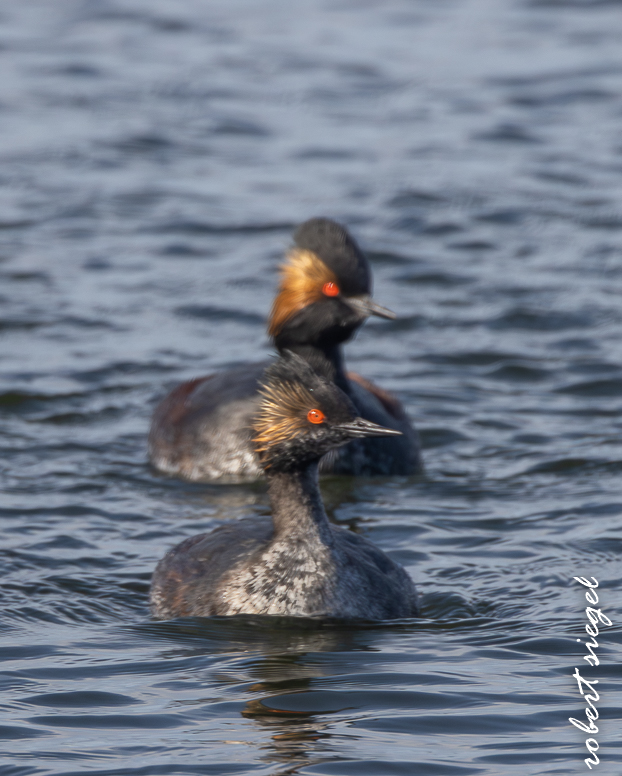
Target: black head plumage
[(336, 247), (302, 416)]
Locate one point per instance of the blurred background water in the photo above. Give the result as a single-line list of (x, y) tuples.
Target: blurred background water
[(155, 157)]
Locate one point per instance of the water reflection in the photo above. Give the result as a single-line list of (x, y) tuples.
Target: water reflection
[(279, 661), (297, 738), (293, 732), (292, 709), (287, 638)]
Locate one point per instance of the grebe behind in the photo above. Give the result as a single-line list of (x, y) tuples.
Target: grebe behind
[(200, 430)]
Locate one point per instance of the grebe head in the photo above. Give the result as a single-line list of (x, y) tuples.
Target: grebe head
[(325, 289), (302, 416)]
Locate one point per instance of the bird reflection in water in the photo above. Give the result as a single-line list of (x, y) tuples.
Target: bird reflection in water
[(292, 712)]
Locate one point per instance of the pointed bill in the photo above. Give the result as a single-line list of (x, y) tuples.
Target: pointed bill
[(359, 427), (366, 306)]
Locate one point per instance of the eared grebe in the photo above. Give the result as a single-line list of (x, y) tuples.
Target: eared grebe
[(297, 563), (200, 431)]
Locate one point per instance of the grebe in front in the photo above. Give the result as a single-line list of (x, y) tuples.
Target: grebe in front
[(296, 563)]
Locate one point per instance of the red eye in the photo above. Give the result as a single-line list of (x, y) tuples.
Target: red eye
[(315, 416), (330, 289)]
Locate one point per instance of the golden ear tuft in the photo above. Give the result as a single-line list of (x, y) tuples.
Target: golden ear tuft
[(282, 414), (303, 277)]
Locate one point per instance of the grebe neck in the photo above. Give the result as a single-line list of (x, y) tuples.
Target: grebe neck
[(297, 508)]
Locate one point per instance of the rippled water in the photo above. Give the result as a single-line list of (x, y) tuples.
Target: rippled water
[(155, 157)]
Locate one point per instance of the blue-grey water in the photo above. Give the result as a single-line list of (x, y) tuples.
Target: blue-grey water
[(155, 156)]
